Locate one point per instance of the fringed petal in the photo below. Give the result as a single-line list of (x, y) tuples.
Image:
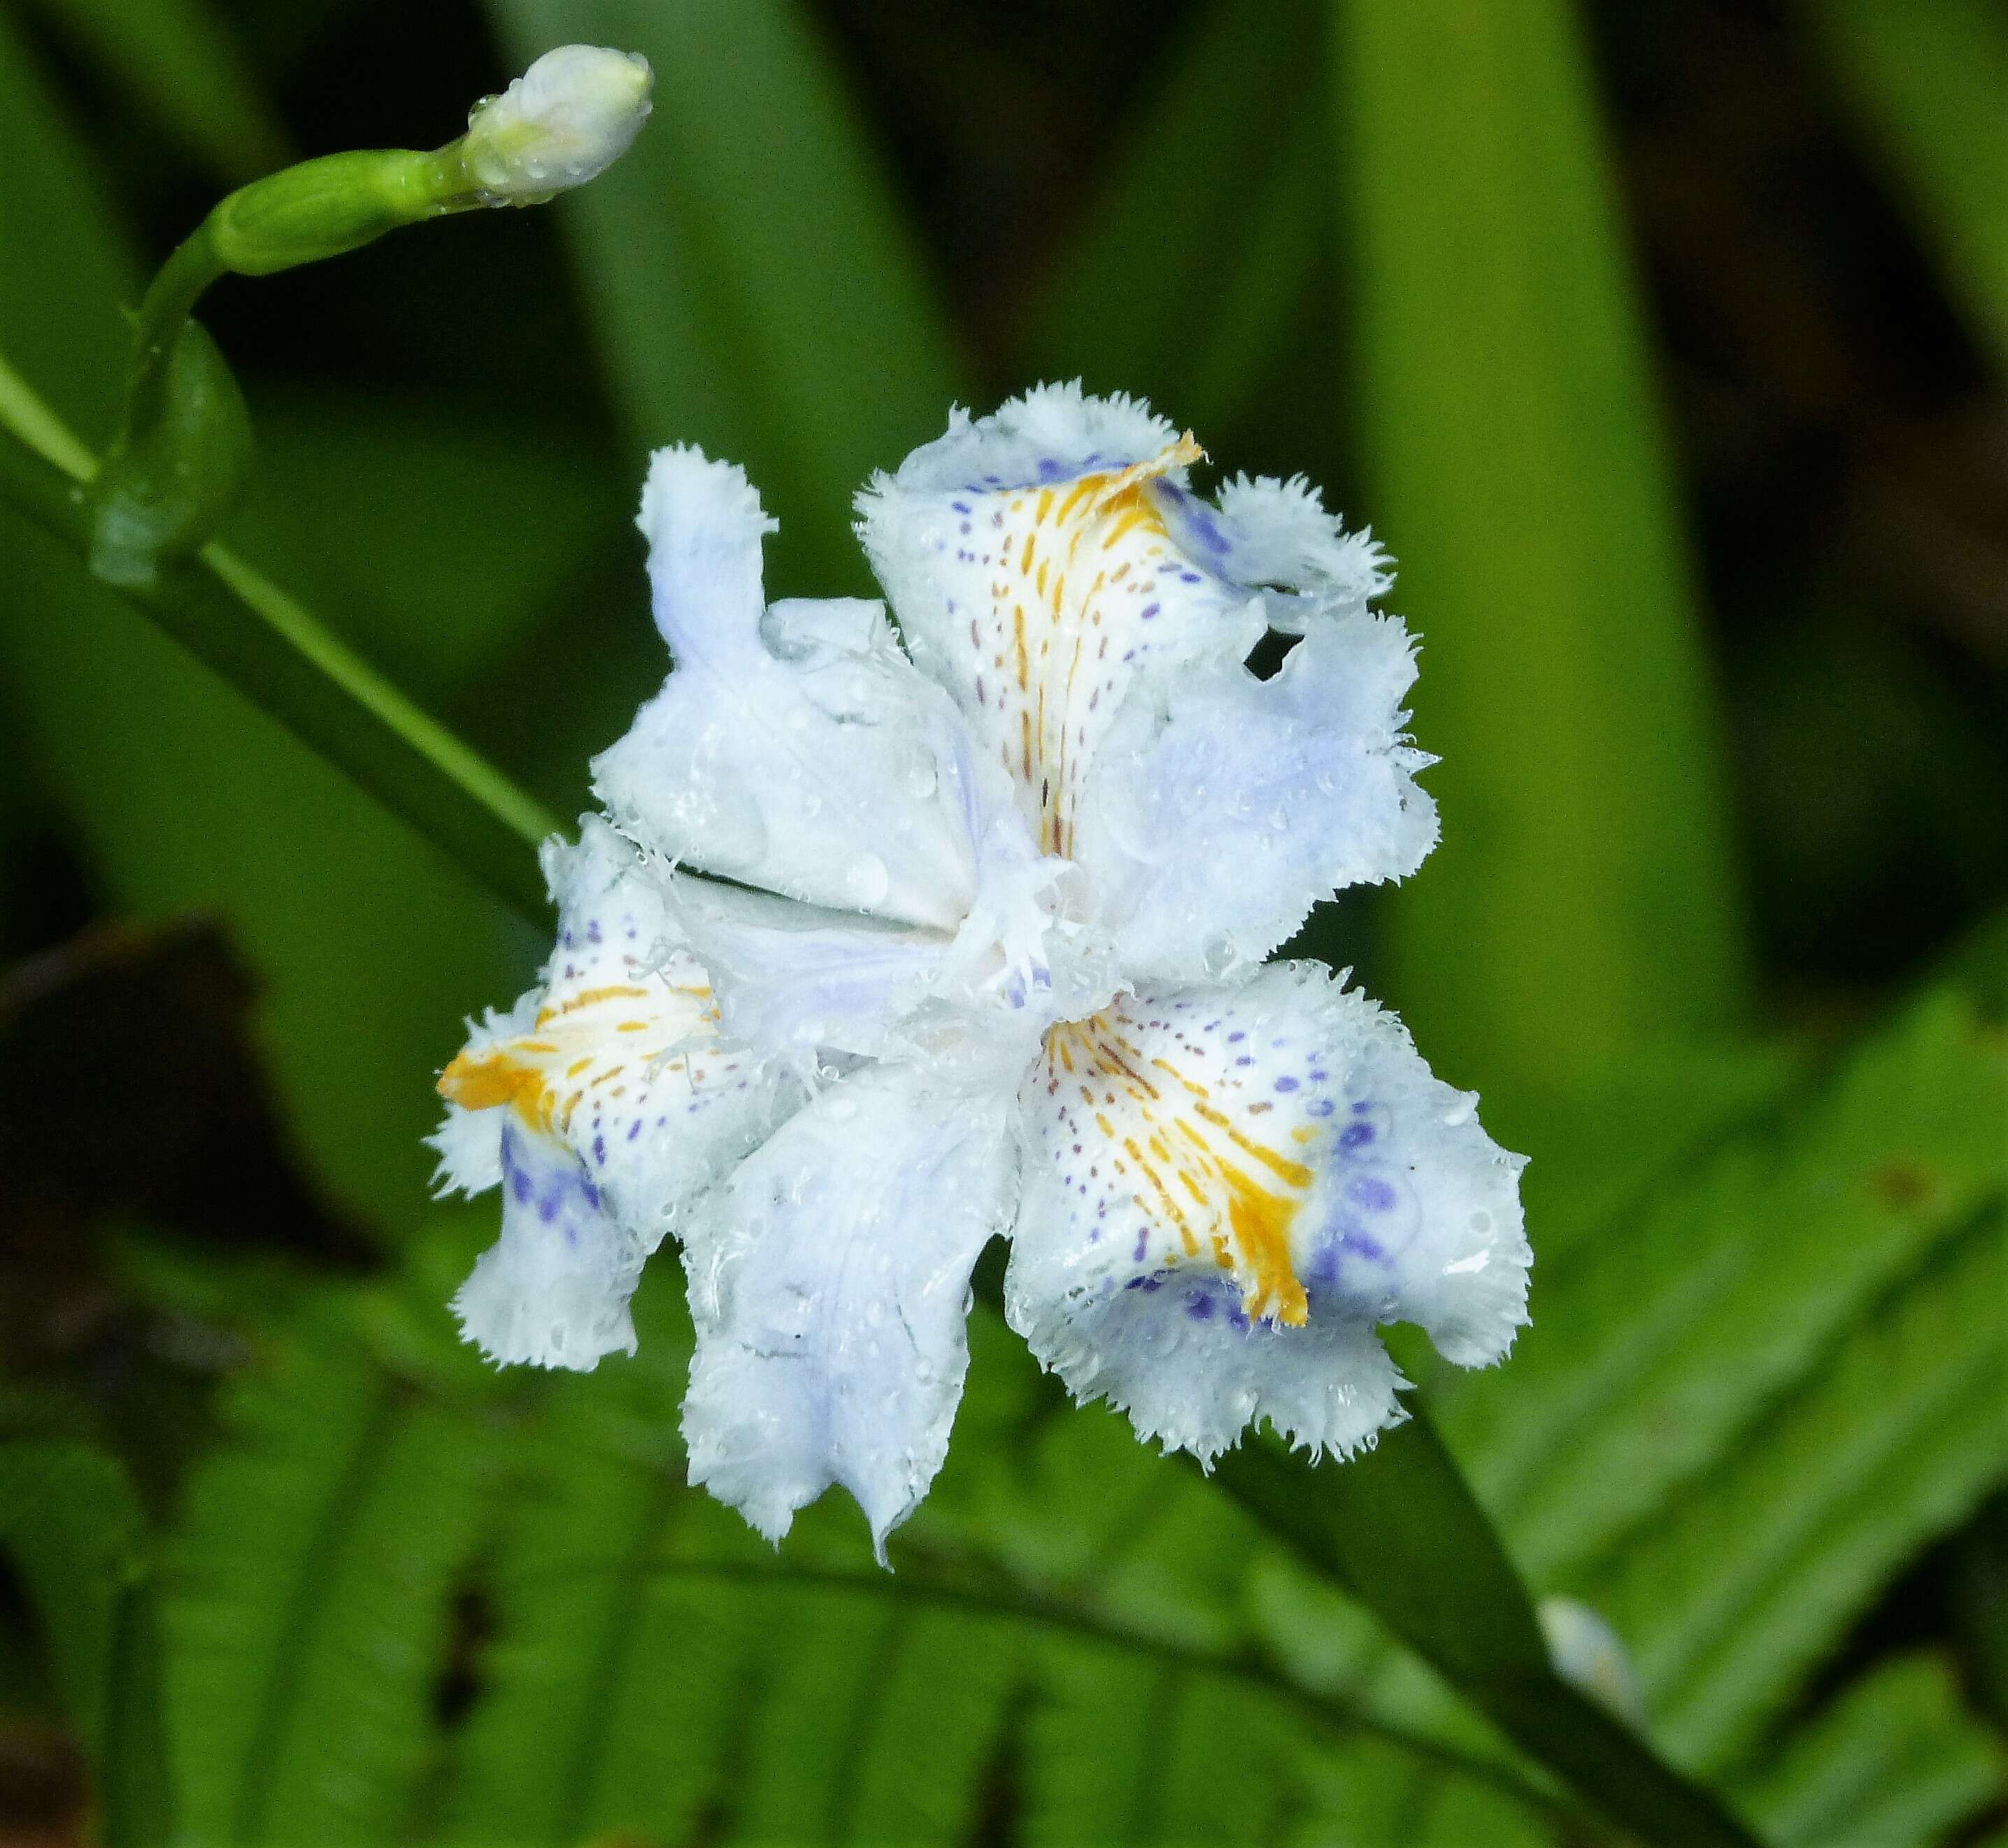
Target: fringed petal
[(1227, 1188), (1302, 784), (829, 1283), (794, 748)]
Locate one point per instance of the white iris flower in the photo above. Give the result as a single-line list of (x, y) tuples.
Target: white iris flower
[(990, 961)]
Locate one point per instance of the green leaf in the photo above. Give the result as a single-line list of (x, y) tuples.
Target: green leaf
[(1202, 238), (1738, 1588), (74, 1534), (174, 792), (655, 1672), (237, 621), (1584, 898), (1398, 1528), (1126, 1749), (314, 1571), (612, 1698), (473, 536), (68, 270), (755, 288), (177, 60), (1928, 81), (1891, 1762), (1653, 1357)]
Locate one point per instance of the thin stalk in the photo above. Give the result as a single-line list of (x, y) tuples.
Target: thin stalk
[(169, 301)]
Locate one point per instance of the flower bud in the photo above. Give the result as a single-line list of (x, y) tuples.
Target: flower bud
[(568, 118), (1588, 1654), (323, 208)]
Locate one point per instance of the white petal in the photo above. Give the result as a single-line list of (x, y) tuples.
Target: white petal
[(1302, 783), (1277, 533), (469, 1145), (566, 120), (794, 748), (552, 1291), (1226, 1188), (797, 980), (1027, 556), (611, 1070), (829, 1283)]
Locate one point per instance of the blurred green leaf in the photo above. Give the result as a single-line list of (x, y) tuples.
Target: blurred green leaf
[(611, 1698), (471, 532), (177, 793), (237, 621), (1122, 1749), (1739, 1587), (654, 1671), (1398, 1528), (1655, 1356), (179, 63), (1183, 275), (1892, 1762), (1928, 81), (755, 287), (74, 1534), (314, 1573), (1584, 897), (67, 270)]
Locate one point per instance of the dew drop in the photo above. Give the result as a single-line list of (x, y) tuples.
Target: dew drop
[(866, 880)]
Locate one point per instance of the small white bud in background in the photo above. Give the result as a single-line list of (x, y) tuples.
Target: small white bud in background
[(1588, 1655), (569, 117)]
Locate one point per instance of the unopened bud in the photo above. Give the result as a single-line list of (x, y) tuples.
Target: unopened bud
[(568, 118), (1587, 1653)]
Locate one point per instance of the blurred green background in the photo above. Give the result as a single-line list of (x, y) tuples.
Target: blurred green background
[(1665, 349)]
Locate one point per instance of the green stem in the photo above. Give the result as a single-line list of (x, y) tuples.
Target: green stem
[(239, 623), (170, 301)]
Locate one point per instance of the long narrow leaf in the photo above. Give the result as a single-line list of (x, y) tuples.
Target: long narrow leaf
[(1927, 81), (1893, 1762), (1584, 897), (1398, 1527), (178, 59), (1185, 269)]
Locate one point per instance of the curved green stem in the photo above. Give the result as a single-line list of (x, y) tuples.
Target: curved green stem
[(170, 300)]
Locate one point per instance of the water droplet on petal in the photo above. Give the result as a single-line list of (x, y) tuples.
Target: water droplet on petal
[(866, 880)]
